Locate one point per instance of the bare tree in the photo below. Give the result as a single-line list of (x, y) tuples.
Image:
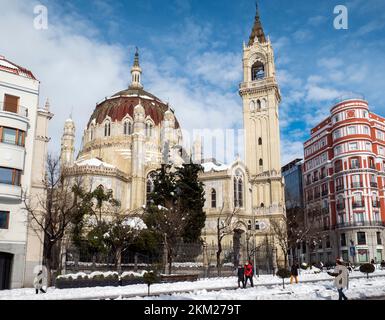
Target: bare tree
[(51, 213), (224, 228)]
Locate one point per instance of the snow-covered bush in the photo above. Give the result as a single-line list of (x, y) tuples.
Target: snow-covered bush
[(283, 273), (367, 268), (304, 266)]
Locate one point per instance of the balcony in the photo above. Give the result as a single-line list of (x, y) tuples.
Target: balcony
[(360, 224), (12, 156), (358, 205), (340, 206), (21, 111), (357, 185), (376, 204), (340, 188), (10, 192)]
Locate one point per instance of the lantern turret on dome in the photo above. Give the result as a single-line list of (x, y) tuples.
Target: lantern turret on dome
[(136, 73)]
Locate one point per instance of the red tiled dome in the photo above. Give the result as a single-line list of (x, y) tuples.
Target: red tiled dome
[(124, 102)]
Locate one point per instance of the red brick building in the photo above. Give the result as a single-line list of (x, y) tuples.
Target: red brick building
[(344, 181)]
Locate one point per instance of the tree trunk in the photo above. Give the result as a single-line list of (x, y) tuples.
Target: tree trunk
[(283, 282), (169, 260), (118, 259), (47, 261), (148, 292)]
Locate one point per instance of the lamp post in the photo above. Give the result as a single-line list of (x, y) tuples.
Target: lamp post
[(253, 229)]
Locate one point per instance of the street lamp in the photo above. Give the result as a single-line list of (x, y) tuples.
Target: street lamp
[(253, 228)]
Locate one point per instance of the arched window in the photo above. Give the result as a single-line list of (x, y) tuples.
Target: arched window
[(149, 128), (150, 186), (257, 71), (249, 225), (262, 205), (107, 129), (127, 128), (259, 105), (238, 190), (252, 106), (260, 141), (92, 133), (213, 198)]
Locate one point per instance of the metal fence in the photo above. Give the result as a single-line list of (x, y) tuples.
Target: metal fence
[(188, 258)]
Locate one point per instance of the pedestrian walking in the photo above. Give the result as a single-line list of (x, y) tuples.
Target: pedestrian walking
[(341, 281), (38, 282), (241, 276), (249, 273), (294, 273)]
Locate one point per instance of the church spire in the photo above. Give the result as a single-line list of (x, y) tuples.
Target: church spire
[(136, 73), (257, 31)]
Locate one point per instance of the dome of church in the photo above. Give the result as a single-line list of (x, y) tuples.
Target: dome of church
[(121, 104)]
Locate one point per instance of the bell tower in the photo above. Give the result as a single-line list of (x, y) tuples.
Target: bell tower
[(261, 97)]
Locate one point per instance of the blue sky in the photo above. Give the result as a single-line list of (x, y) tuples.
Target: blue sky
[(191, 53)]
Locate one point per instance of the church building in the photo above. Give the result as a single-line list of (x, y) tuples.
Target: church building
[(131, 133)]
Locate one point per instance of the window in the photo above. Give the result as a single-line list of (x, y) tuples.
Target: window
[(357, 200), (354, 163), (337, 150), (353, 146), (249, 225), (127, 128), (4, 219), (380, 135), (379, 239), (260, 141), (328, 244), (213, 198), (371, 163), (11, 103), (238, 190), (10, 176), (365, 114), (352, 130), (361, 238), (368, 146), (363, 255), (92, 133), (150, 185), (261, 163), (107, 129), (252, 106), (338, 166), (337, 134), (257, 71), (366, 130), (259, 105), (149, 128), (336, 118), (356, 181), (343, 239), (12, 136)]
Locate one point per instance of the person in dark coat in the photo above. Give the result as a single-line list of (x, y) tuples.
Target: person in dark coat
[(241, 276), (294, 273), (249, 273)]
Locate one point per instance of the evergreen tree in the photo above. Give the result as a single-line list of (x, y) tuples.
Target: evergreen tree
[(175, 207), (192, 201)]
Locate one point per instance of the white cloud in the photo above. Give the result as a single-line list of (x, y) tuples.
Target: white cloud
[(290, 150), (75, 71)]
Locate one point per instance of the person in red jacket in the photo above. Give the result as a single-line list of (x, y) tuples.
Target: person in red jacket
[(249, 273)]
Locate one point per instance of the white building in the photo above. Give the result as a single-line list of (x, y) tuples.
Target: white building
[(23, 142)]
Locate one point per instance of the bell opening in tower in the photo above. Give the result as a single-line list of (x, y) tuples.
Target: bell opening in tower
[(258, 71)]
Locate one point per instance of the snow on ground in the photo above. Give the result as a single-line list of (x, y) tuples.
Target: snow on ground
[(325, 290), (267, 287)]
